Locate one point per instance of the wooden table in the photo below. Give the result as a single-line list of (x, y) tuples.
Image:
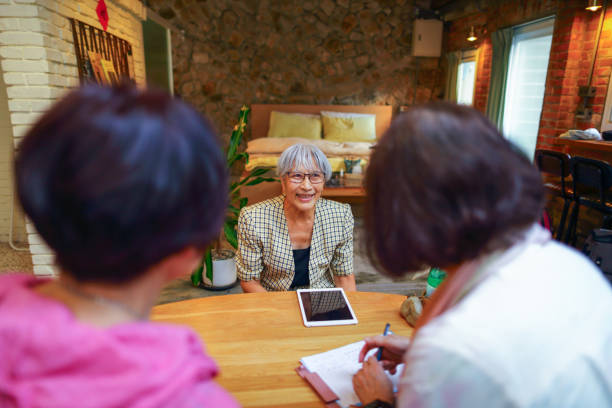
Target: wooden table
[(593, 149), (258, 339)]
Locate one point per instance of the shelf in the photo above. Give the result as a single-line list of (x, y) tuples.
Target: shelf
[(343, 192)]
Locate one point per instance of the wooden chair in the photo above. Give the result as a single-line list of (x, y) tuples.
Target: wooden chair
[(555, 166)]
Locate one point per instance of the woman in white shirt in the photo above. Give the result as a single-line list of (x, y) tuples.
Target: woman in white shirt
[(522, 320)]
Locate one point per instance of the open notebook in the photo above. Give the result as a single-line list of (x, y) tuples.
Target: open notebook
[(336, 368)]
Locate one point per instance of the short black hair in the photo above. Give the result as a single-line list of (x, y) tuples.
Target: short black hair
[(444, 187), (115, 179)]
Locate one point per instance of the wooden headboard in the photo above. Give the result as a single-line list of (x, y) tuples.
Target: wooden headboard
[(260, 115)]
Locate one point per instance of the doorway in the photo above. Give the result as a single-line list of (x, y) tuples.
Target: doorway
[(157, 53)]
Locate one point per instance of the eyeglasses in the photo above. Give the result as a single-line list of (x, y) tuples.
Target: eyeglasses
[(297, 178)]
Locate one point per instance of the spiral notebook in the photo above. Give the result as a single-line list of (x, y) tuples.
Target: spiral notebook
[(336, 369)]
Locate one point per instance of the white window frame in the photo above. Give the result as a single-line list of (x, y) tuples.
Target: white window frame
[(467, 56), (523, 32), (606, 117), (151, 15)]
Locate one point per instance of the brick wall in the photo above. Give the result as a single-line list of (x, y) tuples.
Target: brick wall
[(570, 61), (6, 178), (570, 58), (502, 14), (38, 65), (573, 43)]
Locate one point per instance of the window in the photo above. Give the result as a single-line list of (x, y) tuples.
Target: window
[(466, 76), (157, 52), (606, 119), (526, 78)]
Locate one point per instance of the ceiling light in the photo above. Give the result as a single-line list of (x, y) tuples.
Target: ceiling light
[(593, 5), (472, 35)]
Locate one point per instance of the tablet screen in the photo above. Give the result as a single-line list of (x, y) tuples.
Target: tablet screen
[(325, 306)]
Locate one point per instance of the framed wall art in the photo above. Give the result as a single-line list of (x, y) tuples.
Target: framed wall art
[(102, 57)]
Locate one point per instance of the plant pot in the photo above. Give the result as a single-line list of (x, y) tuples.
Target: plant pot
[(223, 273)]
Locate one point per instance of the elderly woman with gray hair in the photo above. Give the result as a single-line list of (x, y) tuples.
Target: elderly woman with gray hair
[(298, 239)]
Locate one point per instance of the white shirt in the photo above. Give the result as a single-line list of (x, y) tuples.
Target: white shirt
[(536, 332)]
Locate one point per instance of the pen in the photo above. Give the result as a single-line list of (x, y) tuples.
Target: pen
[(380, 349)]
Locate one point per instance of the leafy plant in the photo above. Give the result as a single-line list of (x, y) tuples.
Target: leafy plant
[(236, 202)]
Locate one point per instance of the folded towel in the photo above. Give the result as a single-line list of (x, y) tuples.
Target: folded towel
[(575, 134)]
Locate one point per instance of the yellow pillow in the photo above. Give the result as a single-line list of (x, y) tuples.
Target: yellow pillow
[(348, 127), (294, 125)]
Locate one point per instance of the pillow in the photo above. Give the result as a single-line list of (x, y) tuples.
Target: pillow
[(349, 127), (294, 125)]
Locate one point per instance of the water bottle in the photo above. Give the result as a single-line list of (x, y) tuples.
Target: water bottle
[(435, 278)]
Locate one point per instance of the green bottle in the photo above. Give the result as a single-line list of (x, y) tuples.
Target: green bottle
[(435, 278)]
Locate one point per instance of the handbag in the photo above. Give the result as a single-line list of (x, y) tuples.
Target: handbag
[(598, 248)]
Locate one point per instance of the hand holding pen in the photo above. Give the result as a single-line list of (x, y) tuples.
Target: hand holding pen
[(380, 349), (393, 348)]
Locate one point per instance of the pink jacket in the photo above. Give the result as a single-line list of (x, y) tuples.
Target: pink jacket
[(48, 359)]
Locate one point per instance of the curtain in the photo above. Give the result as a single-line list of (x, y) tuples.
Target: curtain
[(501, 41), (451, 77)]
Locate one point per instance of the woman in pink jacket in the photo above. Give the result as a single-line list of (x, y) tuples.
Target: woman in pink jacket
[(127, 187)]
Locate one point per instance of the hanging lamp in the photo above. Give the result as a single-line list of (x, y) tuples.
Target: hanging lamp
[(472, 35), (594, 5)]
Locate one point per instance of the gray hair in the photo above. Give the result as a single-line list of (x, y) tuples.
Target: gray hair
[(305, 156)]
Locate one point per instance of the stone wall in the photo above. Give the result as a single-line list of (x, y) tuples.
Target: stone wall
[(314, 52), (38, 65)]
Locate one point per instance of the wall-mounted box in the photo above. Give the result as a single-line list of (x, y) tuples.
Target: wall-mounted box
[(427, 38)]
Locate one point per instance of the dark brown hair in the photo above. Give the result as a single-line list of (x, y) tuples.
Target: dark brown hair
[(117, 179), (443, 187)]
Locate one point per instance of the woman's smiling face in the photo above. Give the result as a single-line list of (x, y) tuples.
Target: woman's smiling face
[(303, 195)]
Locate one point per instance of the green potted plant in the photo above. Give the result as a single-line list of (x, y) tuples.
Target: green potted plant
[(217, 270)]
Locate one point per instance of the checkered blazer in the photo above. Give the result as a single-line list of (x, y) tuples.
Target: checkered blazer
[(265, 252)]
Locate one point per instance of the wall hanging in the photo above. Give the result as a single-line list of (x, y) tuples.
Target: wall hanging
[(102, 58)]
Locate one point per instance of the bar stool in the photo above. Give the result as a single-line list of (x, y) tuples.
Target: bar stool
[(591, 183), (556, 167)]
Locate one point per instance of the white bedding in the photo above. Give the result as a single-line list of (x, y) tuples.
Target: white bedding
[(265, 145)]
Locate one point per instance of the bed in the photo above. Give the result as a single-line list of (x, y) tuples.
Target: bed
[(367, 124)]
